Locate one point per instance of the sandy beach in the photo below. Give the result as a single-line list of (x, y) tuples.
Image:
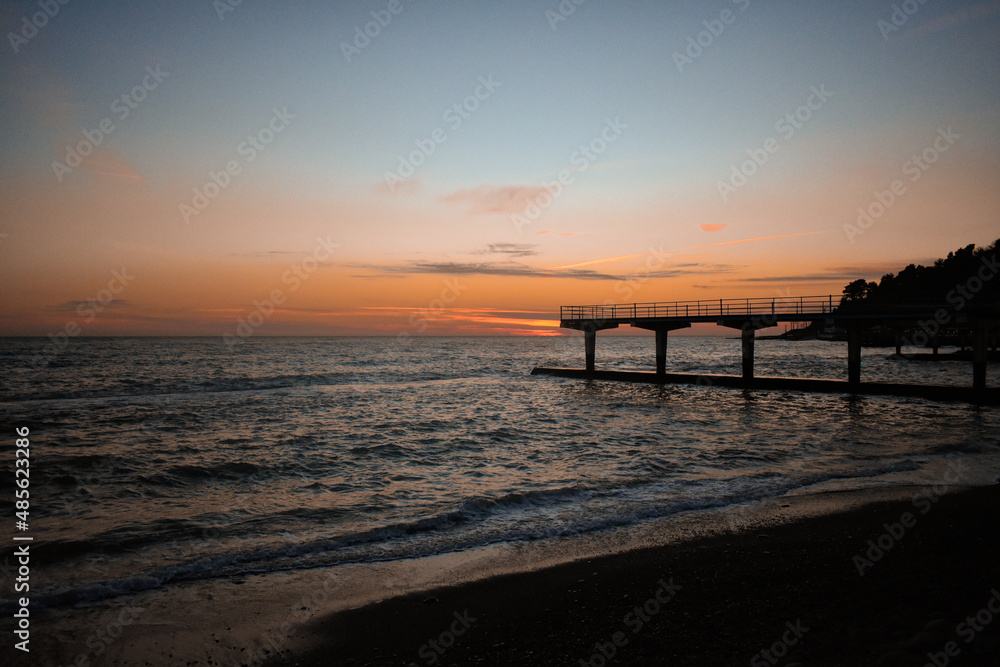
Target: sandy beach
[(885, 582), (907, 582), (894, 576)]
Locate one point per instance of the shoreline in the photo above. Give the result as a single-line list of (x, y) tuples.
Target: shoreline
[(885, 583), (301, 617)]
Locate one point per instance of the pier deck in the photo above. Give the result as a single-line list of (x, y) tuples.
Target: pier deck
[(750, 315)]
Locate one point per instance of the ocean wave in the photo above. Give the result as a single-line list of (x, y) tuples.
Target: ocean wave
[(133, 388), (461, 528)]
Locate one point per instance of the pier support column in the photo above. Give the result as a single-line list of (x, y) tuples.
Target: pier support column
[(589, 329), (590, 347), (661, 351), (853, 353), (979, 355), (748, 329), (747, 338), (662, 330)]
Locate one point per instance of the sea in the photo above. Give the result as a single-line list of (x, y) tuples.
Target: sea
[(160, 461)]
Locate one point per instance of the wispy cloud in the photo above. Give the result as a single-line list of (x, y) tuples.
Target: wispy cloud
[(494, 311), (712, 228), (110, 164), (489, 199), (608, 260), (408, 186), (494, 269), (525, 322), (485, 319), (510, 249), (514, 269)]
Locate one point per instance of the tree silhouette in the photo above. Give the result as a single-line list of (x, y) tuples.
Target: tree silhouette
[(967, 276)]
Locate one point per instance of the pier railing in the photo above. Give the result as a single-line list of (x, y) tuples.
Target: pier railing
[(800, 305)]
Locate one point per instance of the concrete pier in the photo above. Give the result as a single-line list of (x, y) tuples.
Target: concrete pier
[(662, 330), (751, 315), (748, 337), (988, 396), (590, 329), (854, 353), (979, 357), (661, 351), (746, 343)]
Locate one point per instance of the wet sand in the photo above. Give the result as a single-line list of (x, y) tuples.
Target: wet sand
[(795, 591)]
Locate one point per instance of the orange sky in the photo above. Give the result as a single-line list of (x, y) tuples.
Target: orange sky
[(524, 187)]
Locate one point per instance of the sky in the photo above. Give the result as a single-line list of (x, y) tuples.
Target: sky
[(466, 168)]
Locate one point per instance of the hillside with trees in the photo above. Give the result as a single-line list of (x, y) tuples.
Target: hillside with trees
[(965, 278)]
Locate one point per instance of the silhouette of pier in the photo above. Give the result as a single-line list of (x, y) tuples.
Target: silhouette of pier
[(750, 315)]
